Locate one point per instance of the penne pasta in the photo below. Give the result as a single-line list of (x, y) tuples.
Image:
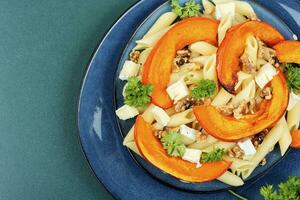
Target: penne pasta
[(144, 55), (225, 24), (129, 137), (203, 48), (242, 76), (251, 49), (231, 179), (269, 142), (239, 19), (209, 69), (181, 118), (221, 145), (201, 60), (158, 126), (151, 40), (286, 138), (192, 77), (293, 117), (246, 94), (222, 98), (208, 7), (201, 144), (132, 146), (162, 22), (244, 8), (148, 115), (238, 165)]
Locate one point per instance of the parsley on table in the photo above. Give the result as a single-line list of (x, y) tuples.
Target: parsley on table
[(215, 155), (137, 94), (189, 9), (292, 72), (204, 88), (289, 190), (172, 142)]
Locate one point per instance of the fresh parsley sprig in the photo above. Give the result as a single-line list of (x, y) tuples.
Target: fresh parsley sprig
[(215, 155), (204, 88), (137, 94), (172, 142), (189, 9), (292, 72), (289, 190)]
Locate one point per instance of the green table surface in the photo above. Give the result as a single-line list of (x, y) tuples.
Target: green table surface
[(45, 47)]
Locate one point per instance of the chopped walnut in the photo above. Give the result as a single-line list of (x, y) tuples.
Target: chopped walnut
[(195, 125), (252, 106), (248, 64), (236, 152), (159, 134), (201, 136), (182, 57), (266, 93), (241, 110), (265, 52), (134, 56), (226, 109), (263, 162), (187, 103), (259, 138)]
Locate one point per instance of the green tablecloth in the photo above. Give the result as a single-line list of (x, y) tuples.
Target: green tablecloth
[(45, 46)]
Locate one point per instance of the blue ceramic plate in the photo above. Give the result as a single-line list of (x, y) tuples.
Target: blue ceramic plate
[(101, 133)]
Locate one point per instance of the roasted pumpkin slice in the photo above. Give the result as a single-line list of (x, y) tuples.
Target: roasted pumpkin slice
[(153, 151), (233, 46), (228, 128), (158, 66), (295, 139), (288, 51)]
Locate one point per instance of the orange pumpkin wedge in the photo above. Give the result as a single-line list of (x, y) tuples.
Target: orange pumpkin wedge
[(295, 139), (288, 51), (158, 66), (228, 128), (233, 46), (152, 150)]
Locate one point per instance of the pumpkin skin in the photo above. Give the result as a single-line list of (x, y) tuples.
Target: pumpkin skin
[(233, 46), (228, 128), (295, 138), (288, 51), (158, 66), (152, 150)]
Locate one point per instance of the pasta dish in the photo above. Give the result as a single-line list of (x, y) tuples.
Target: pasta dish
[(213, 91)]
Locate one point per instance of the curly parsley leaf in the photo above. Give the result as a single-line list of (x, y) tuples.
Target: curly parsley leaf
[(215, 155), (204, 88), (172, 142), (292, 72), (137, 94), (189, 9), (289, 190)]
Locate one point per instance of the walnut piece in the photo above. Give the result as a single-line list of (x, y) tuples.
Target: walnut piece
[(266, 93), (134, 56), (187, 103)]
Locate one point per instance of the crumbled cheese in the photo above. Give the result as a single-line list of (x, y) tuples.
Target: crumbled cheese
[(293, 100), (247, 147), (265, 75), (178, 90), (192, 155), (225, 9), (188, 135), (129, 69), (295, 37), (126, 112), (160, 115)]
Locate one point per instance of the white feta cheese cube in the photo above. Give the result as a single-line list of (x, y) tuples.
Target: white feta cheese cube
[(224, 9), (293, 100), (126, 112), (178, 90), (129, 69), (192, 155), (160, 115), (188, 134), (247, 147), (265, 75)]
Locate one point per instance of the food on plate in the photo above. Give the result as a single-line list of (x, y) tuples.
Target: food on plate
[(213, 90)]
